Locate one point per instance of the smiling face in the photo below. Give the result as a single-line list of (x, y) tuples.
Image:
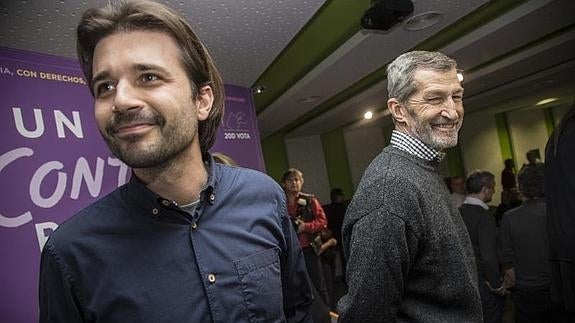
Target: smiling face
[(434, 113), (145, 107)]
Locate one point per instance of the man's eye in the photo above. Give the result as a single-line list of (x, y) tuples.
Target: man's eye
[(103, 88), (434, 99), (149, 78), (457, 97)]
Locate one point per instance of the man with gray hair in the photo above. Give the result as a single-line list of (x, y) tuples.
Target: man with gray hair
[(409, 253)]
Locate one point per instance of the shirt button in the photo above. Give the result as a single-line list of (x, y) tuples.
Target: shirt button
[(166, 202), (212, 197), (155, 211), (212, 278), (194, 225)]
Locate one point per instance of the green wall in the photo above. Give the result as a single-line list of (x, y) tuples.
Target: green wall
[(336, 161), (275, 156)]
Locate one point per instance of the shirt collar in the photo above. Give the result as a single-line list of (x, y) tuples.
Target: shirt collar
[(414, 146), (475, 201), (154, 203)]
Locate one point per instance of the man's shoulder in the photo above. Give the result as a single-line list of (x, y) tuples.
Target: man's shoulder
[(472, 208), (89, 218), (392, 169), (249, 180)]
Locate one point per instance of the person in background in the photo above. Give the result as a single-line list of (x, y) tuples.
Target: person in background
[(508, 175), (335, 212), (457, 189), (524, 251), (560, 194), (327, 253), (482, 230), (309, 219), (409, 254), (187, 239), (532, 159)]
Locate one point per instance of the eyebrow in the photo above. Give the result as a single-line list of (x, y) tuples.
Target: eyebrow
[(100, 76)]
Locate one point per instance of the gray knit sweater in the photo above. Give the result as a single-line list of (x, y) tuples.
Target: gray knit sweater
[(409, 255)]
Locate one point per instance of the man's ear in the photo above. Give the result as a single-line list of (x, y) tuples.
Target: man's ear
[(397, 110), (484, 191), (205, 101)]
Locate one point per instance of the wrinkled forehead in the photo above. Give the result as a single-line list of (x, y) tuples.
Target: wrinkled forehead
[(430, 80)]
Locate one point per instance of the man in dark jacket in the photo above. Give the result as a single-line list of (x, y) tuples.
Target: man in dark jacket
[(482, 230), (560, 193)]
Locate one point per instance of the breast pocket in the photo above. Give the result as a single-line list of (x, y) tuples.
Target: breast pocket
[(260, 277)]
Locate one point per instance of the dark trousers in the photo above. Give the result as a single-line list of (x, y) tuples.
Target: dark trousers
[(492, 305), (535, 306), (315, 272), (328, 266)]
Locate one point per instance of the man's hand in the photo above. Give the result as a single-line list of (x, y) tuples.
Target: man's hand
[(499, 291)]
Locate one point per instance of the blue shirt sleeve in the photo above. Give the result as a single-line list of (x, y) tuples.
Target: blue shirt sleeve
[(58, 302)]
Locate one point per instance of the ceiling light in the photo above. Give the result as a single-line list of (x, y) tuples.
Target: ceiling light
[(422, 20), (368, 115), (460, 76), (545, 101), (309, 99), (259, 89)]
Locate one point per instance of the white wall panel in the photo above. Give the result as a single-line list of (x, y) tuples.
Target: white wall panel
[(362, 146), (528, 131), (306, 154), (480, 148)]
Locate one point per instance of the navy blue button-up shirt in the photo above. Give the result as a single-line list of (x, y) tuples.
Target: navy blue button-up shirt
[(135, 257)]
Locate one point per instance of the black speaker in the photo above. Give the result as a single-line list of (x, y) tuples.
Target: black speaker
[(384, 14)]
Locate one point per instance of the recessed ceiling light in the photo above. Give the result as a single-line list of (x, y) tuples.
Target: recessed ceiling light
[(422, 20), (259, 89), (545, 101), (368, 115)]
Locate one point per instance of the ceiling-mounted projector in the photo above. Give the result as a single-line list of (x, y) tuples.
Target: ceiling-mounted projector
[(384, 14)]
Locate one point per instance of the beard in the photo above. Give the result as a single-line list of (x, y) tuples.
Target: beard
[(434, 138), (169, 142)]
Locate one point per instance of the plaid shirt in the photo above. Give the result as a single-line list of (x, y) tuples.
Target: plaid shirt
[(414, 146)]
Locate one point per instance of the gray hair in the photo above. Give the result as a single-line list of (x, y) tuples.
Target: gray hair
[(400, 72), (479, 179)]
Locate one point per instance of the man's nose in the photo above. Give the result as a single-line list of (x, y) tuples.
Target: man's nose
[(126, 97)]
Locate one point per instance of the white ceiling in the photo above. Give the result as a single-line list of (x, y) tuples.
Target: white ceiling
[(512, 61), (244, 36)]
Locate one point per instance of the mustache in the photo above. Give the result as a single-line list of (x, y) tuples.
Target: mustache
[(132, 117), (445, 121)]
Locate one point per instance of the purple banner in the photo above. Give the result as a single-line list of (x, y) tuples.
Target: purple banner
[(238, 136), (53, 162)]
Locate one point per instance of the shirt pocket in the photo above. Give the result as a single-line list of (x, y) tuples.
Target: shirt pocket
[(260, 277)]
